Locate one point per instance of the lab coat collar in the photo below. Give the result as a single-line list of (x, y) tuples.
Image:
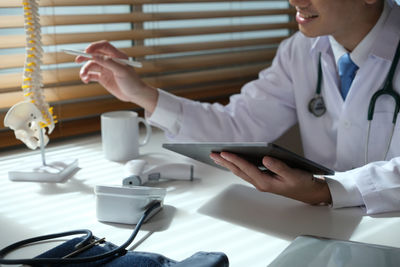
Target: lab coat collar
[(385, 50), (320, 44), (387, 40)]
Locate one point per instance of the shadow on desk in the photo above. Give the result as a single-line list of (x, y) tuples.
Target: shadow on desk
[(11, 231), (72, 185), (280, 216)]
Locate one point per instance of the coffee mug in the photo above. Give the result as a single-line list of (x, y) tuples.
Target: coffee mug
[(120, 135)]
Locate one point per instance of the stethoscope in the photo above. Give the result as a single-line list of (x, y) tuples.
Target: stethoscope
[(317, 106), (88, 242)]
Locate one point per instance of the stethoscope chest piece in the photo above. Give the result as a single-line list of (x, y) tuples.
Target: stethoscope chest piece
[(317, 106)]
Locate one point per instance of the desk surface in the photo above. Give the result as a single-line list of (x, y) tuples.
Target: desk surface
[(215, 212)]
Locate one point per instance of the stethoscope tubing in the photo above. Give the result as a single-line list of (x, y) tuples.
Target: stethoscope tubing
[(389, 91), (317, 106), (115, 252)]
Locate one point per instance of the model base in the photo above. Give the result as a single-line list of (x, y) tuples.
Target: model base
[(54, 171)]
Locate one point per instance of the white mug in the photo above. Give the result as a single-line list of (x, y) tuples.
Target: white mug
[(120, 135)]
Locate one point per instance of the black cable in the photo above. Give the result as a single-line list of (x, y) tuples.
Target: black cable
[(116, 252)]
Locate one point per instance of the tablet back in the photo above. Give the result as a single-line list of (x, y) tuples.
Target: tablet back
[(252, 152)]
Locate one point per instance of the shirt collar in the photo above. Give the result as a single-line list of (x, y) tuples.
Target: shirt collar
[(360, 54)]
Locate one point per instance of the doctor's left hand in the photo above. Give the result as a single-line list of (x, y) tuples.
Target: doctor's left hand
[(286, 181)]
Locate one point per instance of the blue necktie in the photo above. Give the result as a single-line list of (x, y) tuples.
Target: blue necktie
[(347, 71)]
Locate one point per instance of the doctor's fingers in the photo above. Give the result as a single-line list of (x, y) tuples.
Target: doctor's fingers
[(117, 68), (105, 48), (91, 77), (90, 69), (242, 164), (80, 59), (229, 165), (277, 166), (288, 179), (249, 172)]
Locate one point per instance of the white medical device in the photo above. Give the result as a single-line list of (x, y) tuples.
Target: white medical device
[(126, 204), (140, 172)]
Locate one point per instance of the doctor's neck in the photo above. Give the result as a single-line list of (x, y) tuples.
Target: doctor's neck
[(362, 23)]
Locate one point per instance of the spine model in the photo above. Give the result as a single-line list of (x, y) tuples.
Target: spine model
[(32, 77), (29, 117)]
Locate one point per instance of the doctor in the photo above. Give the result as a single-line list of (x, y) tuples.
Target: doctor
[(333, 134)]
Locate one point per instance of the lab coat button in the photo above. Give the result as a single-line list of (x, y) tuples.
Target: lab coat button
[(347, 124)]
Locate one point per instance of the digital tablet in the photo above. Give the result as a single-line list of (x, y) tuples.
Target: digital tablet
[(252, 152), (307, 251)]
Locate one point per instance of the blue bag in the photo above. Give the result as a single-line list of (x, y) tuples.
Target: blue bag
[(134, 258)]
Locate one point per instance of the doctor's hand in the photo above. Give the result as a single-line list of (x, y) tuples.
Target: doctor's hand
[(120, 80), (286, 181)]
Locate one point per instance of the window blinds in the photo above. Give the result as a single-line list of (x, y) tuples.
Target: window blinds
[(200, 49)]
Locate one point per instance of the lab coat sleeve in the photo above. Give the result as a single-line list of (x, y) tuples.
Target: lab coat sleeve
[(376, 185), (167, 114), (344, 191), (262, 112)]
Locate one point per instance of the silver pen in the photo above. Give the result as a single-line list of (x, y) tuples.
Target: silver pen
[(129, 62)]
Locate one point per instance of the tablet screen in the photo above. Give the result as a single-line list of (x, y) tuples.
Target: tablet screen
[(252, 152), (310, 251)]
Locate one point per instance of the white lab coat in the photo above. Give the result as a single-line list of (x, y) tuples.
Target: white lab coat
[(279, 98)]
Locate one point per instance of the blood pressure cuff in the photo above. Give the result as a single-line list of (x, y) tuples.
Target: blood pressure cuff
[(134, 258)]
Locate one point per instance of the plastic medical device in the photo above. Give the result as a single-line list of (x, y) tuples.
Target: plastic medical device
[(126, 204), (32, 119), (140, 172)]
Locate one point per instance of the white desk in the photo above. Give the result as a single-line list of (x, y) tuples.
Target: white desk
[(215, 212)]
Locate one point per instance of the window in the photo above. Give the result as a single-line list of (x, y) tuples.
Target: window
[(200, 49)]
